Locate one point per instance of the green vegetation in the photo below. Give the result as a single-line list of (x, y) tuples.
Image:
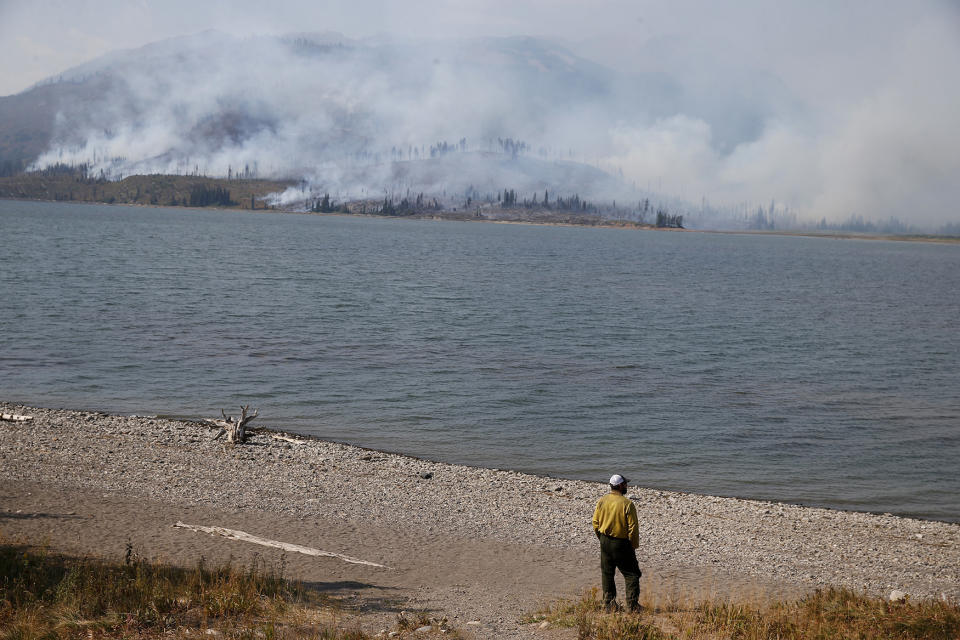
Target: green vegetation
[(573, 204), (665, 220), (830, 614), (50, 596), (71, 184), (406, 207), (326, 205), (202, 195)]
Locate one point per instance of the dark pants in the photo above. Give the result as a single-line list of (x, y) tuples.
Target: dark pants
[(617, 553)]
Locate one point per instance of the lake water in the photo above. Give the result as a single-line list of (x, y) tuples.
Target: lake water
[(816, 371)]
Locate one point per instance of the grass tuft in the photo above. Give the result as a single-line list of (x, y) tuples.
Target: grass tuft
[(829, 614), (50, 596)]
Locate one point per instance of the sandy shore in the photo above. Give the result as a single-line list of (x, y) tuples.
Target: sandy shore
[(478, 545)]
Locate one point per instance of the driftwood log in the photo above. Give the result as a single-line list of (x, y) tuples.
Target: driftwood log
[(233, 534), (13, 417), (235, 428)]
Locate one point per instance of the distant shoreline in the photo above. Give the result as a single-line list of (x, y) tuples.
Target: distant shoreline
[(842, 235), (612, 224)]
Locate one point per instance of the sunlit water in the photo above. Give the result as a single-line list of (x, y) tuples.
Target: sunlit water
[(817, 371)]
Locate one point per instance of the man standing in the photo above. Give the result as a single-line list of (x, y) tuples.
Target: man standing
[(615, 523)]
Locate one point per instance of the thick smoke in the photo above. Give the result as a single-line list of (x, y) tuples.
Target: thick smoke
[(357, 119), (364, 118), (890, 153), (859, 118)]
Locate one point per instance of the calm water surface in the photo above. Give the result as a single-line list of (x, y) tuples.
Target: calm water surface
[(817, 371)]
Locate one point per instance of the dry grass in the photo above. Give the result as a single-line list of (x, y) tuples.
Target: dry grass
[(50, 596), (831, 614)]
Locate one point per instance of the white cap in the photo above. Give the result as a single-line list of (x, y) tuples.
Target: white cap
[(616, 480)]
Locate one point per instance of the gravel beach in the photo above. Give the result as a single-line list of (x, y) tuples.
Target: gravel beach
[(482, 546)]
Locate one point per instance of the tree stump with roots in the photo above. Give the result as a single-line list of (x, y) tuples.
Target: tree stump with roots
[(234, 428)]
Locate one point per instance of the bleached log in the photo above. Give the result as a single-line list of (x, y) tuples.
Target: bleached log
[(243, 536), (14, 417), (280, 436)]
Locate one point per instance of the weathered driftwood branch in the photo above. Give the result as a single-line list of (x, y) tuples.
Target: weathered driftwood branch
[(14, 417), (236, 429), (233, 534), (280, 436)]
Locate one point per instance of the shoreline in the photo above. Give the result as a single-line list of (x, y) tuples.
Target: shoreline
[(838, 235), (546, 477), (408, 506)]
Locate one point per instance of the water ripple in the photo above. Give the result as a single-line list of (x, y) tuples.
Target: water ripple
[(814, 371)]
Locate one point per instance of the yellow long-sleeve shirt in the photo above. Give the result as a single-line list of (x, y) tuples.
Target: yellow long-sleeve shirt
[(616, 517)]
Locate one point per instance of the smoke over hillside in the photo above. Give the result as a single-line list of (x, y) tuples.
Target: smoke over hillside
[(355, 118), (854, 115)]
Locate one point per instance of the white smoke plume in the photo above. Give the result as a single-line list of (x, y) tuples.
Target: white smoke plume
[(831, 111)]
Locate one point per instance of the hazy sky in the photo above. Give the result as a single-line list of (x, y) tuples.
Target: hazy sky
[(820, 44), (878, 79)]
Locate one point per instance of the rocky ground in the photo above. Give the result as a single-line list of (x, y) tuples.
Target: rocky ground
[(482, 546)]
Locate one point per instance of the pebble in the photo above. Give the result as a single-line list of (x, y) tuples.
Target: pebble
[(178, 461)]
